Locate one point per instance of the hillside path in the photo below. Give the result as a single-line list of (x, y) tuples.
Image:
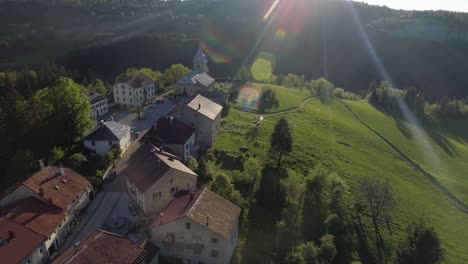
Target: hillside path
[(459, 204)]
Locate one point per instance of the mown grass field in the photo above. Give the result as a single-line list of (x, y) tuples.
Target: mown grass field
[(329, 134), (288, 98), (442, 150)]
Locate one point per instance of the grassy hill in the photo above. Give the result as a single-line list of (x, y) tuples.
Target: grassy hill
[(441, 150), (287, 98), (328, 134)]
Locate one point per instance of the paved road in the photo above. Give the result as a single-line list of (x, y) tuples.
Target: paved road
[(459, 204), (113, 200)]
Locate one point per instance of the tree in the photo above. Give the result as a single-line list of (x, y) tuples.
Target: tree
[(98, 87), (63, 112), (305, 253), (224, 188), (137, 109), (422, 245), (175, 73), (244, 74), (202, 168), (76, 159), (281, 139), (192, 163), (327, 251), (226, 108), (252, 169), (375, 199), (55, 155), (267, 100)]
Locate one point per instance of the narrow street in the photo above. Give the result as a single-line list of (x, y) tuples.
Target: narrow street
[(112, 200)]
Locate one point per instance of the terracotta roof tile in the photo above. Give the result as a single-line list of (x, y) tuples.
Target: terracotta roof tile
[(25, 242), (104, 248), (55, 188), (202, 206), (37, 215)]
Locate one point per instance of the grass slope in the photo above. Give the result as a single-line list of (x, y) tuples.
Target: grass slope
[(444, 152), (329, 134), (288, 98)]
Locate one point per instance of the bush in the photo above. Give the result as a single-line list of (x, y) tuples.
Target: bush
[(76, 160), (55, 155)]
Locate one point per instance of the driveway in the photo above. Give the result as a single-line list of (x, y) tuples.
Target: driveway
[(112, 200)]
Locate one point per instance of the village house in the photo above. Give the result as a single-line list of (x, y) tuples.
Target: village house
[(59, 186), (105, 247), (205, 116), (107, 134), (43, 218), (196, 81), (99, 106), (154, 176), (135, 91), (172, 134), (19, 244), (197, 227)]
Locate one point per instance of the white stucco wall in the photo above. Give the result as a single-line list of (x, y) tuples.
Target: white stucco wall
[(102, 147), (101, 108), (38, 256), (197, 234), (182, 151), (129, 96)]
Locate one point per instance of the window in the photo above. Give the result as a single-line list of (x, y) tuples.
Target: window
[(187, 225), (123, 92), (93, 143), (110, 143), (174, 189), (124, 99), (214, 240), (197, 250), (118, 99), (130, 93), (171, 181), (130, 100), (214, 253), (156, 195)]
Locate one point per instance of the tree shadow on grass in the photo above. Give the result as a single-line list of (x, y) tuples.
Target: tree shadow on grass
[(252, 134)]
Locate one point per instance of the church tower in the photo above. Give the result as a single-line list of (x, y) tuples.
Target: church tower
[(200, 61)]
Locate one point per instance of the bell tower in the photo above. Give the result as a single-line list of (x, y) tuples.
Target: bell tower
[(200, 61)]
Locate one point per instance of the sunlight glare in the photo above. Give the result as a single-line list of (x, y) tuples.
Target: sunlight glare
[(272, 8)]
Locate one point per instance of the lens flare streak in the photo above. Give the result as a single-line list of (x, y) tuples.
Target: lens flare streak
[(272, 8)]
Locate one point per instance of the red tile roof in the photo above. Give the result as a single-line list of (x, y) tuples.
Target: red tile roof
[(39, 216), (103, 247), (24, 243), (202, 206), (164, 132), (55, 188), (147, 165)]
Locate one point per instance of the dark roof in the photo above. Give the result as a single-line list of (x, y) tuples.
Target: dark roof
[(222, 215), (55, 188), (25, 242), (109, 130), (148, 164), (35, 214), (138, 81), (164, 132), (103, 247), (205, 106), (94, 97)]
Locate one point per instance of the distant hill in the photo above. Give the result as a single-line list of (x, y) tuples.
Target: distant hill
[(427, 50)]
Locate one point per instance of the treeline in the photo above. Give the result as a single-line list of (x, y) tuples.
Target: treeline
[(43, 116), (392, 99)]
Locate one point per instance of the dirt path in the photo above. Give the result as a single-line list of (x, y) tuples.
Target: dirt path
[(460, 205)]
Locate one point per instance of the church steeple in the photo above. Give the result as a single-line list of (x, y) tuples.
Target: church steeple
[(200, 61)]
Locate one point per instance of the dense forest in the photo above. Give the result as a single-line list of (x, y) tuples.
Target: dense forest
[(351, 44)]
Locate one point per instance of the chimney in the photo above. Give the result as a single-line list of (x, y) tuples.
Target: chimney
[(112, 118), (11, 235), (171, 121), (62, 170), (161, 215), (207, 220), (102, 123), (41, 164), (199, 106)]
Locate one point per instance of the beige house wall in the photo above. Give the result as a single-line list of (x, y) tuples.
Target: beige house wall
[(180, 181), (186, 239), (206, 130)]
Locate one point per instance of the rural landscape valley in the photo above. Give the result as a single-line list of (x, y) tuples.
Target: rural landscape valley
[(222, 131)]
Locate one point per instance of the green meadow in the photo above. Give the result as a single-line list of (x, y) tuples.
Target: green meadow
[(328, 134)]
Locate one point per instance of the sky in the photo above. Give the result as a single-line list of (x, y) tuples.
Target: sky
[(452, 5)]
